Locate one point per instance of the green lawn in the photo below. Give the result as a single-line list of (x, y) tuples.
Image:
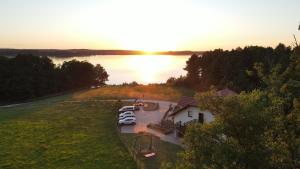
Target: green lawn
[(54, 134), (165, 152)]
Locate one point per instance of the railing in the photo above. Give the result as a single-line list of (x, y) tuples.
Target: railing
[(167, 112)]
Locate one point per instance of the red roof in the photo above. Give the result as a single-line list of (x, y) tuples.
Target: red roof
[(184, 103), (226, 92)]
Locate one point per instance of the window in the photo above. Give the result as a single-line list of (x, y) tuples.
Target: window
[(190, 114)]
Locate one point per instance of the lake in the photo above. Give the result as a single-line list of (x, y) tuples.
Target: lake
[(143, 69)]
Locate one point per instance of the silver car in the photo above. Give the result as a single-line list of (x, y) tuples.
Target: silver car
[(128, 121), (126, 116), (128, 113)]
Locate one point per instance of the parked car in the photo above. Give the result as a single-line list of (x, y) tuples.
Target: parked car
[(125, 116), (128, 121), (128, 108), (127, 113)]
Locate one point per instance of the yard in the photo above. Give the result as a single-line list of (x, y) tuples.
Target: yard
[(77, 131), (55, 134)]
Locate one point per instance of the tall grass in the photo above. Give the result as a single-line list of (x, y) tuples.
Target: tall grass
[(159, 92)]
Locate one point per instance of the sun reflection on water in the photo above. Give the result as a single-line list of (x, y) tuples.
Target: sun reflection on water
[(148, 68), (143, 69)]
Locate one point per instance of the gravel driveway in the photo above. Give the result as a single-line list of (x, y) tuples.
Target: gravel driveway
[(145, 117)]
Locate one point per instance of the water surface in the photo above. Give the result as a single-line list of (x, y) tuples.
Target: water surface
[(143, 69)]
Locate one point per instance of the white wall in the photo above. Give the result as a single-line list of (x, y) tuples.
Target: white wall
[(208, 116), (183, 115)]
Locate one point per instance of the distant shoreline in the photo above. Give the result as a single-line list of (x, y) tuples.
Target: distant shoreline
[(87, 52)]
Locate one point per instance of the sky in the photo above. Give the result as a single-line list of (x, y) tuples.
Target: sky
[(149, 25)]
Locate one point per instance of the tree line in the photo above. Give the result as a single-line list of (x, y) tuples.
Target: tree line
[(259, 128), (27, 76), (234, 69)]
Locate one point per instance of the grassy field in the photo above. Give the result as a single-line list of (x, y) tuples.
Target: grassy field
[(55, 134), (70, 131), (165, 152), (159, 92)]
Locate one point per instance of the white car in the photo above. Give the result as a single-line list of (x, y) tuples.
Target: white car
[(127, 121), (128, 108), (127, 113)]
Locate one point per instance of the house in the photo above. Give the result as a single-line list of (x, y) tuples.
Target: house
[(187, 111)]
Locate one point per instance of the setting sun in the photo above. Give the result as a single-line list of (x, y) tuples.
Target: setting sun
[(147, 26)]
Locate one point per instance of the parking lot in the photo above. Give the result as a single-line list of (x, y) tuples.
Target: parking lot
[(143, 118)]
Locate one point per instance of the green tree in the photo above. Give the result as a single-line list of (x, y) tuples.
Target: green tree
[(27, 76), (224, 68), (283, 86), (258, 129), (76, 74), (235, 139), (193, 70), (101, 75)]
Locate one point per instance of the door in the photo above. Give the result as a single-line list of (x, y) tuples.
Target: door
[(201, 118)]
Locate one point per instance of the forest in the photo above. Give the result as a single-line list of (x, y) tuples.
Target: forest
[(234, 69), (27, 76), (260, 127)]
